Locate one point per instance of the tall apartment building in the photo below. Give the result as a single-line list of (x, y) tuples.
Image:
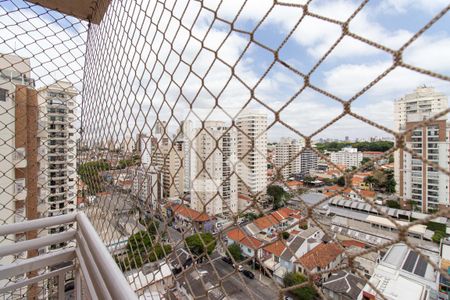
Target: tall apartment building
[(424, 100), (348, 157), (308, 162), (252, 152), (185, 135), (167, 157), (423, 184), (214, 181), (19, 142), (287, 157), (57, 177), (147, 187)]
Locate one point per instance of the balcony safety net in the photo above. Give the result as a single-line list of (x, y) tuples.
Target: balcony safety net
[(191, 131)]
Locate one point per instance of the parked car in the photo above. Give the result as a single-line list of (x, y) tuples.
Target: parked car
[(227, 260), (248, 273), (240, 268)]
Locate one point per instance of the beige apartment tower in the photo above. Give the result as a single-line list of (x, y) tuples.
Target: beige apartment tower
[(214, 181), (252, 153)]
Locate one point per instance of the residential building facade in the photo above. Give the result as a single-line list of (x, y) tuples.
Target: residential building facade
[(19, 141), (214, 186), (348, 157), (419, 185), (252, 152), (287, 157), (57, 106)]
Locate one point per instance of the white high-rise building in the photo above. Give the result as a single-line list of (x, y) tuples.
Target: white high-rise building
[(287, 157), (417, 182), (58, 177), (252, 152), (214, 185), (19, 140), (185, 136), (147, 187), (348, 157)]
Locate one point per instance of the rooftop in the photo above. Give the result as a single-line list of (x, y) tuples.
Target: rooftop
[(344, 283), (321, 256)]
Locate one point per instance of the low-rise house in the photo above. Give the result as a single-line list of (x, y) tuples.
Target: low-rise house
[(250, 246), (282, 260), (343, 285), (154, 279), (185, 217), (322, 257), (267, 227)]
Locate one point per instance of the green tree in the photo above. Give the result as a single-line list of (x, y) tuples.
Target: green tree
[(303, 293), (201, 243), (285, 235), (235, 251), (393, 204), (340, 181), (308, 180), (89, 174), (279, 195), (251, 216), (438, 236)]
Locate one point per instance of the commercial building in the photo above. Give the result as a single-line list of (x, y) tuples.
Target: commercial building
[(214, 184), (287, 157), (419, 184), (348, 157), (57, 176), (19, 141), (252, 153), (402, 274)]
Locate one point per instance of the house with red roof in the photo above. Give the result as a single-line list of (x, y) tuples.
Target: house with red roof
[(267, 227), (185, 217), (248, 244), (322, 257)]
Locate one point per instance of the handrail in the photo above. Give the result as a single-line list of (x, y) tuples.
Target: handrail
[(94, 260), (35, 224), (115, 281)]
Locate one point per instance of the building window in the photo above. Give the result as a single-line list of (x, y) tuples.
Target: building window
[(3, 94)]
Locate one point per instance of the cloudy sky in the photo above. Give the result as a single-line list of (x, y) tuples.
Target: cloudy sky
[(183, 59)]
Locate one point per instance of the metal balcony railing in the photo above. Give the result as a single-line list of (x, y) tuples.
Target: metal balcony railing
[(95, 273)]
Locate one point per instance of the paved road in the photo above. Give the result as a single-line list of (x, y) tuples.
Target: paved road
[(256, 288)]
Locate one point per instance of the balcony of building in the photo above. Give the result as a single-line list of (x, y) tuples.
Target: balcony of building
[(85, 270)]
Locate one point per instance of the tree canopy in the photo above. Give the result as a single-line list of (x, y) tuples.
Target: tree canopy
[(89, 174), (280, 196), (381, 146), (235, 251), (201, 243), (303, 293)]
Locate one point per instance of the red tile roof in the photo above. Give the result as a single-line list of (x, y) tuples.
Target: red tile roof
[(189, 212), (294, 183), (348, 243), (265, 222), (320, 256), (276, 217), (367, 194), (275, 248), (239, 236)]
